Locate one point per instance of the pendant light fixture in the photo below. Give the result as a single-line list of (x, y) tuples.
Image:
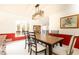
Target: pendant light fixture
[(37, 11)]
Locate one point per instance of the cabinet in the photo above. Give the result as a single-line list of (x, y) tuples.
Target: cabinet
[(37, 29)]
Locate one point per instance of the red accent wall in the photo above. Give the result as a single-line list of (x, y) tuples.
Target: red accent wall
[(77, 43), (12, 36)]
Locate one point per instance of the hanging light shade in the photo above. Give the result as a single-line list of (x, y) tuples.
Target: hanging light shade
[(37, 5), (36, 11)]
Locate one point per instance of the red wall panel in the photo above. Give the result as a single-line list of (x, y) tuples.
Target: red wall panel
[(12, 36), (77, 43)]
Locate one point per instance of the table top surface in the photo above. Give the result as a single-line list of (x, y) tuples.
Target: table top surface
[(48, 38)]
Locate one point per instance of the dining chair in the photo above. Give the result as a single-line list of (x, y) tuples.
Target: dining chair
[(3, 44), (28, 40), (35, 46), (65, 50)]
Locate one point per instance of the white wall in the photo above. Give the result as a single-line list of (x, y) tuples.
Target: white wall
[(8, 22), (72, 11), (55, 20)]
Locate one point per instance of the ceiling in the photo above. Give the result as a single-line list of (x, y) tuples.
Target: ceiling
[(29, 9)]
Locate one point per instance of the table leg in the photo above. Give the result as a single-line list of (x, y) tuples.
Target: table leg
[(61, 43), (50, 49)]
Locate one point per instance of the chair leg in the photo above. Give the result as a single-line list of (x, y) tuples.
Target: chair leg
[(28, 48), (3, 52), (53, 46), (25, 44), (30, 51), (45, 52), (35, 53)]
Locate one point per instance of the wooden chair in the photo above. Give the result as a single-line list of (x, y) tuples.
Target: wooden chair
[(28, 40), (65, 50), (35, 46)]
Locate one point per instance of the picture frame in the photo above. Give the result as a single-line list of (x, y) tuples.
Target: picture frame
[(71, 21)]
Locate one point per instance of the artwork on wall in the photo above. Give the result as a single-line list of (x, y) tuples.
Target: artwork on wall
[(69, 21)]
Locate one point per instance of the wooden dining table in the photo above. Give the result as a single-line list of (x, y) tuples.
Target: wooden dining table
[(49, 40)]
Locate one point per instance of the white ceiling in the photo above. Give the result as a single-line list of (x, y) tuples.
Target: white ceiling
[(29, 9)]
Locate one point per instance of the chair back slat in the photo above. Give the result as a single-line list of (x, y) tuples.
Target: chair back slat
[(71, 45), (33, 37)]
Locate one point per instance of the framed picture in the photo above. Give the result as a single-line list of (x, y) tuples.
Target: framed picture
[(69, 21)]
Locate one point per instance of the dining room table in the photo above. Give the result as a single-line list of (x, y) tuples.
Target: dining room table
[(49, 40)]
